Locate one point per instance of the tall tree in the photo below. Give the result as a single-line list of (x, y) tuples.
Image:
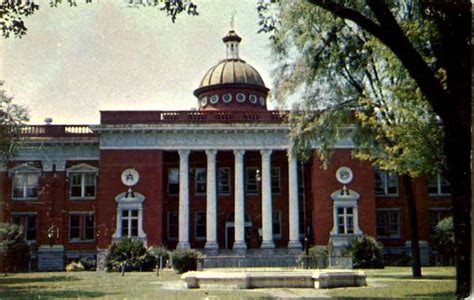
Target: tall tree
[(438, 61)]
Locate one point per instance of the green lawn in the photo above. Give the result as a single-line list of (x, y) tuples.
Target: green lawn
[(385, 283)]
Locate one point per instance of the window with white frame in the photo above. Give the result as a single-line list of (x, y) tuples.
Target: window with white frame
[(276, 220), (345, 220), (200, 225), (223, 181), (251, 184), (275, 180), (388, 223), (27, 222), (82, 181), (25, 185), (173, 181), (129, 220), (81, 226), (438, 186), (200, 181), (385, 184), (172, 223)]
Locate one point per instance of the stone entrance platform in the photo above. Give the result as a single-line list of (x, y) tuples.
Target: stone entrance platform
[(244, 279)]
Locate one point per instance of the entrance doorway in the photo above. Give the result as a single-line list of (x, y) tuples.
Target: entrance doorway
[(230, 230)]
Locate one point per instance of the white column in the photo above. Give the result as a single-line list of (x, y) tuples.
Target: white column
[(141, 233), (293, 206), (183, 242), (267, 224), (239, 209), (118, 230), (211, 198)]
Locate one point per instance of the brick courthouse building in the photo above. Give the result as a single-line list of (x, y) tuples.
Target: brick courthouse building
[(220, 178)]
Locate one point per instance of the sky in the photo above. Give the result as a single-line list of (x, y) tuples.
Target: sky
[(75, 62)]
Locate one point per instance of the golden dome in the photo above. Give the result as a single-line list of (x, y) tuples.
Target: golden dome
[(232, 71)]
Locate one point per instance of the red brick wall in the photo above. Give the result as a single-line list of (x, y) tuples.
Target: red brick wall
[(324, 183), (112, 163)]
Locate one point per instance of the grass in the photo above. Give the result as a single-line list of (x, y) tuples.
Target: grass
[(392, 282)]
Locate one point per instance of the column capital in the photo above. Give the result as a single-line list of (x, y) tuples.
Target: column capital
[(211, 153), (266, 152), (239, 152), (184, 152)]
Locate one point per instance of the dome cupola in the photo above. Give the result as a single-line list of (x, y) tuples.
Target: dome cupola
[(232, 84)]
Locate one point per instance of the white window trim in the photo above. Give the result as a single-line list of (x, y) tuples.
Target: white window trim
[(82, 169), (204, 170), (229, 179), (24, 227), (385, 183), (278, 170), (23, 169), (392, 237), (82, 230), (201, 238), (129, 202), (168, 225), (345, 215), (345, 200), (438, 188)]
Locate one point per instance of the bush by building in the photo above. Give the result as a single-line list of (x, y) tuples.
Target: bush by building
[(74, 266), (14, 251), (366, 252), (126, 253), (442, 239), (184, 260)]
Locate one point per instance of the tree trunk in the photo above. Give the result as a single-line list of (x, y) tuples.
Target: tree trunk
[(415, 245)]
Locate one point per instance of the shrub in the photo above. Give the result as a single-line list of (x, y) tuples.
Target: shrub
[(152, 258), (90, 264), (317, 257), (14, 251), (442, 239), (184, 260), (318, 250), (366, 252), (127, 252), (75, 267)]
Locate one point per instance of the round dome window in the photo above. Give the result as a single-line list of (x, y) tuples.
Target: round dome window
[(240, 97), (253, 99), (262, 101), (214, 99), (227, 98), (203, 101)]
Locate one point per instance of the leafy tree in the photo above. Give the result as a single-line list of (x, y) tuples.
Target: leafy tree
[(12, 116), (12, 13), (442, 239), (326, 50), (14, 251), (126, 253), (366, 252)]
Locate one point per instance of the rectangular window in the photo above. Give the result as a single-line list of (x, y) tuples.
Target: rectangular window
[(223, 181), (275, 180), (200, 181), (81, 226), (82, 185), (28, 224), (25, 185), (251, 185), (130, 223), (74, 227), (345, 220), (200, 226), (172, 225), (276, 220), (388, 223), (385, 184), (438, 186), (173, 181)]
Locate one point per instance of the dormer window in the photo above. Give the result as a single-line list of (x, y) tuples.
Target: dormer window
[(25, 182), (82, 181)]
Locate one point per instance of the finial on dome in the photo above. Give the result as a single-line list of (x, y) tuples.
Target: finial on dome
[(232, 19)]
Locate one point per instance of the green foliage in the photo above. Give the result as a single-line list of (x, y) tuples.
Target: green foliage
[(366, 252), (318, 250), (75, 266), (184, 260), (14, 251), (442, 239), (90, 264), (12, 116), (129, 253)]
